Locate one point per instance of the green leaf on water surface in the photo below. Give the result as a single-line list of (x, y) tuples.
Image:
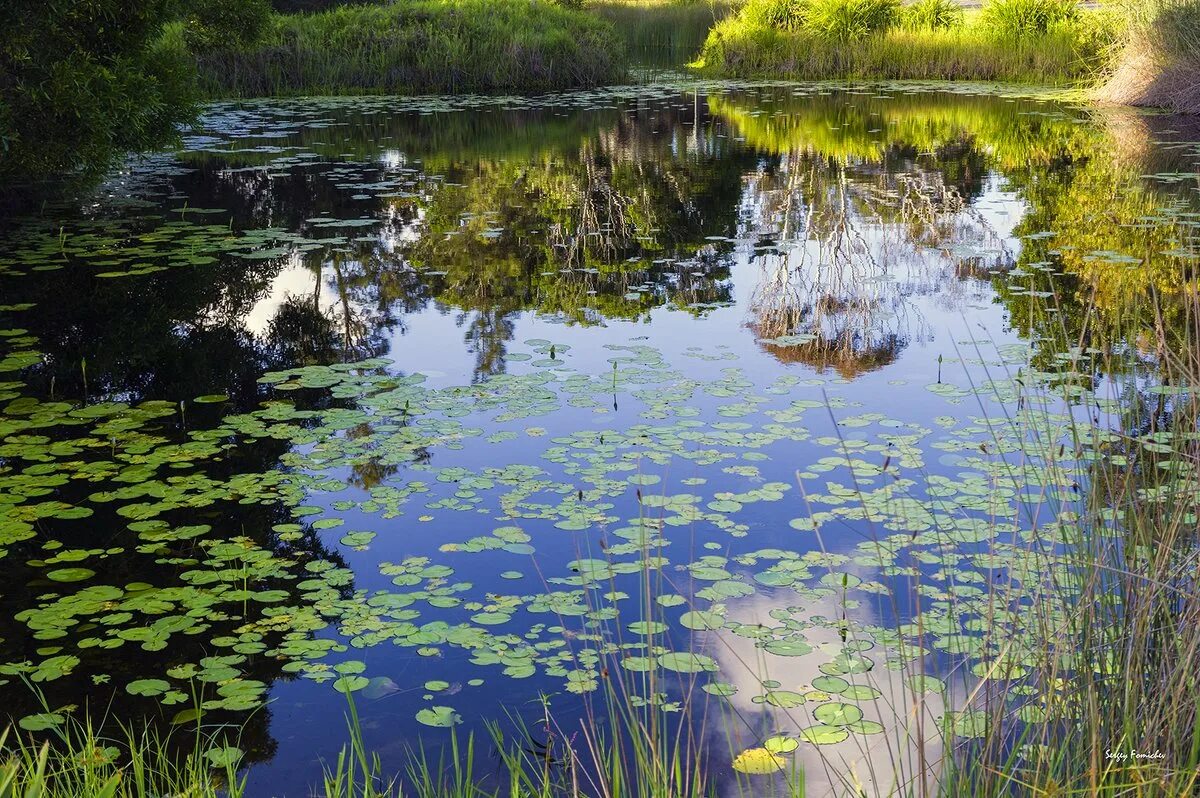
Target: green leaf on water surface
[(148, 687), (836, 714), (758, 762), (860, 692), (830, 684), (41, 721), (350, 684), (781, 744), (967, 723), (70, 574), (824, 735), (223, 757), (720, 689), (439, 717), (684, 662)]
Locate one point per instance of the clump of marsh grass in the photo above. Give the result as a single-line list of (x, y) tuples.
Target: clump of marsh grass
[(1025, 18), (81, 762), (931, 15), (850, 20), (1158, 61)]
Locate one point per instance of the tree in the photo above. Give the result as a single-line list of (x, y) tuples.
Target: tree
[(84, 80)]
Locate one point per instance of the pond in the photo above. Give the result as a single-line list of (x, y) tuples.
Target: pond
[(743, 395)]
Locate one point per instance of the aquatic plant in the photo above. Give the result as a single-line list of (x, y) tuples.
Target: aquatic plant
[(932, 15)]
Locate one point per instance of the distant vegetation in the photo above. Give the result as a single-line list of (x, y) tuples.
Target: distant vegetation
[(1044, 41), (424, 46)]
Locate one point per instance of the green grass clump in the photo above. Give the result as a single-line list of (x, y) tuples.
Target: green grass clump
[(1038, 41), (850, 20), (424, 46), (1024, 18), (932, 15)]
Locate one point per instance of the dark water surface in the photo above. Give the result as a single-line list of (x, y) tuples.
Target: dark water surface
[(449, 404)]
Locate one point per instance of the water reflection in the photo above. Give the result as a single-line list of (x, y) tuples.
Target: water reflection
[(795, 230), (904, 757)]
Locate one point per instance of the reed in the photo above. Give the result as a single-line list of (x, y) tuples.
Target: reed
[(425, 46)]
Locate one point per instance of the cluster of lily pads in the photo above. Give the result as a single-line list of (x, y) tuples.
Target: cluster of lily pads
[(863, 497)]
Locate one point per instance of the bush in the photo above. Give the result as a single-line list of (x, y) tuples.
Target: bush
[(932, 15), (216, 24), (1028, 18), (80, 82)]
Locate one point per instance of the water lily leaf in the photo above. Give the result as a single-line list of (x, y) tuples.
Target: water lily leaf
[(758, 761), (41, 721), (148, 687), (438, 717), (685, 662), (223, 757), (824, 735), (70, 574), (781, 744)]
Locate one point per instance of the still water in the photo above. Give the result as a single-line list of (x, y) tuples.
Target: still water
[(472, 408)]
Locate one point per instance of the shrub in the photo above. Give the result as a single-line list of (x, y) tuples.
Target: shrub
[(1027, 18), (931, 15), (216, 24), (850, 20), (80, 82)]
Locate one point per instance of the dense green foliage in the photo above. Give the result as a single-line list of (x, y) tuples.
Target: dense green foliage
[(217, 24), (425, 46), (83, 81), (1047, 41)]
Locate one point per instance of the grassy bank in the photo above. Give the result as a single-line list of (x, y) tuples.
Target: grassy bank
[(1040, 41), (1159, 62), (426, 46)]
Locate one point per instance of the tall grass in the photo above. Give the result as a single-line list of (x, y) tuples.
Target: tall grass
[(1158, 61), (1025, 18), (932, 15), (1042, 41), (423, 46)]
